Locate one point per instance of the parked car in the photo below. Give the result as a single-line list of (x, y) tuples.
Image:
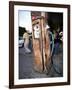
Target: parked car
[(21, 42)]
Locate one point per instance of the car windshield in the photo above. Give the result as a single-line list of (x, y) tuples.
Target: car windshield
[(20, 38)]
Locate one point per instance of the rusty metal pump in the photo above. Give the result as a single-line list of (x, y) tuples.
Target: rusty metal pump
[(41, 45)]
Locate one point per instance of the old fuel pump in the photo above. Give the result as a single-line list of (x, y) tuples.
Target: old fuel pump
[(41, 45)]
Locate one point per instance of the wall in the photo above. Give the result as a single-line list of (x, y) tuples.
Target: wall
[(4, 44)]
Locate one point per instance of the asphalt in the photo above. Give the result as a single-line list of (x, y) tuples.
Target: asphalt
[(27, 71)]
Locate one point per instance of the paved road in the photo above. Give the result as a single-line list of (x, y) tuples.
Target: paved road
[(26, 66)]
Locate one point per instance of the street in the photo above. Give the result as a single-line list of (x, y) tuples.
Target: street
[(26, 70)]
